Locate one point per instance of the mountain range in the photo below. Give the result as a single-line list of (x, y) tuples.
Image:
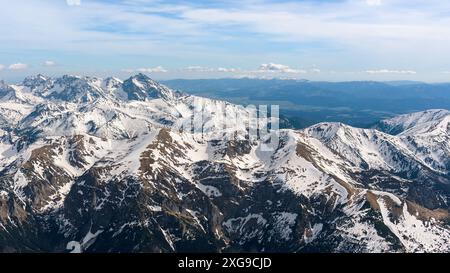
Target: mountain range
[(95, 165)]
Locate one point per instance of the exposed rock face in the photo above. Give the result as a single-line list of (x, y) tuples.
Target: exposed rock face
[(95, 165)]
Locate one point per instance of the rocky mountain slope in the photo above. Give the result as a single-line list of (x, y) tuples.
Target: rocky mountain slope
[(101, 165)]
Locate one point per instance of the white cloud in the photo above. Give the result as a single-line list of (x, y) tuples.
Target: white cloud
[(158, 69), (73, 2), (210, 69), (387, 71), (2, 67), (224, 69), (344, 25), (195, 69), (18, 66), (272, 67), (373, 2), (49, 63), (276, 71)]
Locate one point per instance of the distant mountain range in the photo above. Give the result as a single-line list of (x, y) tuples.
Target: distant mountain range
[(306, 103), (94, 165)]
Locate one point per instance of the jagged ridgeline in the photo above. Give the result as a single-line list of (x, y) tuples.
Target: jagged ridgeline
[(92, 165)]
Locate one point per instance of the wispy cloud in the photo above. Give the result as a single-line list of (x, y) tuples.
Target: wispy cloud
[(49, 63), (387, 71), (18, 66), (373, 2), (158, 69), (210, 69), (73, 2)]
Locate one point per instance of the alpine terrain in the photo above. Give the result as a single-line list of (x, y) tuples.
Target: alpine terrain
[(102, 165)]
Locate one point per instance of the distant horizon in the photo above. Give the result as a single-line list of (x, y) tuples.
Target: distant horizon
[(19, 79)]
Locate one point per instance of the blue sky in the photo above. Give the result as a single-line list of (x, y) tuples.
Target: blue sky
[(317, 40)]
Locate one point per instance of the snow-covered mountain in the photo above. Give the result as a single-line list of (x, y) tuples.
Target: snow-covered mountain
[(101, 165), (426, 134)]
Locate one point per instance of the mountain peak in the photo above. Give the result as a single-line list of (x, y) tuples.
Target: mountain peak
[(37, 77), (141, 76), (327, 130), (34, 81), (408, 122), (142, 87), (111, 83)]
